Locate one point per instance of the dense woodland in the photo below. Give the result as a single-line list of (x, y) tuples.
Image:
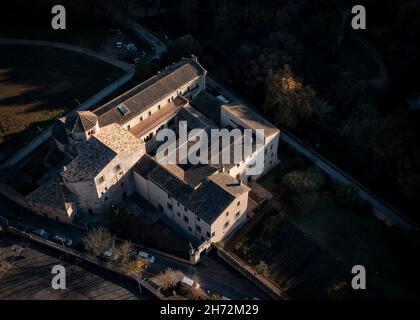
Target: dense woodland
[(301, 64)]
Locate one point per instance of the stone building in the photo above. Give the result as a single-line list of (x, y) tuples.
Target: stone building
[(112, 152)]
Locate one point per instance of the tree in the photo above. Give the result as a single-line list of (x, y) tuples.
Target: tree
[(287, 99), (304, 181), (98, 240), (322, 110), (5, 265), (143, 72), (118, 219), (168, 279), (263, 269), (183, 46), (123, 253), (338, 290)]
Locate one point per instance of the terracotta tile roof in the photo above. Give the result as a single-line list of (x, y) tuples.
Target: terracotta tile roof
[(95, 153), (143, 96), (208, 199), (52, 194), (80, 121)]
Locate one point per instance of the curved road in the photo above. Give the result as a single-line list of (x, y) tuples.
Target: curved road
[(89, 52)]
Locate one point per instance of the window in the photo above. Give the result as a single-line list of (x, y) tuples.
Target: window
[(150, 113), (238, 204), (208, 234), (141, 118), (117, 168), (186, 219), (159, 107), (198, 228), (213, 234), (198, 219), (185, 209), (227, 214), (189, 229), (271, 147), (122, 184), (202, 239), (128, 127), (237, 215), (106, 198), (160, 207), (226, 224), (101, 179), (169, 206), (178, 214)]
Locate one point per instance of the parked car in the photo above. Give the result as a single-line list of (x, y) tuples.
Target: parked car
[(147, 256), (190, 283), (107, 255), (42, 233), (119, 44), (62, 240)]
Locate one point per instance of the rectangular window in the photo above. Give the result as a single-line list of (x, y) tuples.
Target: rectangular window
[(189, 229), (186, 219), (239, 203), (198, 228), (226, 224), (169, 206), (178, 214), (117, 168), (227, 214), (213, 234), (101, 179), (141, 118), (237, 214), (208, 234), (198, 219)]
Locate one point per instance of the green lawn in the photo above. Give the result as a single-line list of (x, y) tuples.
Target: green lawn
[(39, 84), (353, 237)]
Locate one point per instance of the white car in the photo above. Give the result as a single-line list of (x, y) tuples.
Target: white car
[(63, 240), (107, 254), (223, 99), (190, 283), (147, 256), (119, 44)]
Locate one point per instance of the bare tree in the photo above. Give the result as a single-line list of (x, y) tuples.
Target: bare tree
[(5, 265), (98, 240), (168, 279)]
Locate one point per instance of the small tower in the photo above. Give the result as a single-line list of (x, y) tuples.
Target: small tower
[(81, 125)]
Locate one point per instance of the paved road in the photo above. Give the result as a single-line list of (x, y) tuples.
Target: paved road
[(30, 276), (89, 52), (382, 209), (159, 48), (215, 275)]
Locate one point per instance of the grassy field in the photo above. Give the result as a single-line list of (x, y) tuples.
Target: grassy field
[(39, 84), (353, 237)]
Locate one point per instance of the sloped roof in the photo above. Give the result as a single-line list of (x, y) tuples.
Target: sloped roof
[(80, 121), (141, 97), (52, 194), (208, 200), (95, 153)]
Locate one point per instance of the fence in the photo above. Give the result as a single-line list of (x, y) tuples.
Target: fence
[(264, 284)]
